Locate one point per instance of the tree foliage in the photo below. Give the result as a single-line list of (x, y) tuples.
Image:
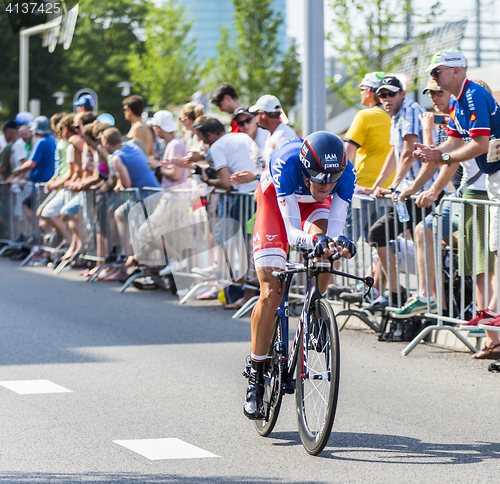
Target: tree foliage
[(253, 62), (364, 31), (165, 69)]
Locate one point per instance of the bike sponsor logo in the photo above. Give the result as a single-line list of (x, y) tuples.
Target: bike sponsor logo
[(473, 117), (301, 242), (331, 157), (331, 165), (271, 237), (470, 101), (451, 59), (277, 168)]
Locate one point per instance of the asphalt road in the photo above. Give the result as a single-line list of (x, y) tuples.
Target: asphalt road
[(137, 366)]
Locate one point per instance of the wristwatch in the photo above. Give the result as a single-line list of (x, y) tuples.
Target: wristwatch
[(446, 158)]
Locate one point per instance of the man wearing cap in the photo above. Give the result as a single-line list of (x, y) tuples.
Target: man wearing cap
[(169, 173), (14, 154), (406, 130), (84, 104), (473, 129), (268, 112), (226, 99)]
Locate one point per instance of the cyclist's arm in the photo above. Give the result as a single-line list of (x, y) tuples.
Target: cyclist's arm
[(337, 217), (289, 208)]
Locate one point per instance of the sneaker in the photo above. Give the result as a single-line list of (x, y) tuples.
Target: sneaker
[(482, 316), (413, 307), (253, 408), (378, 304), (491, 325)]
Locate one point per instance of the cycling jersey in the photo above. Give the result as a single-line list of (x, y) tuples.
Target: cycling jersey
[(475, 113), (286, 208)]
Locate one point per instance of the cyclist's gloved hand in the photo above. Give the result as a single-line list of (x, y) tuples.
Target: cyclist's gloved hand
[(345, 243), (321, 242)]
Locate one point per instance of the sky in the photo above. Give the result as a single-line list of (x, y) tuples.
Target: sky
[(453, 10)]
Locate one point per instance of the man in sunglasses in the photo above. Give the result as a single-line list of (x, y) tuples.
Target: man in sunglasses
[(247, 123), (474, 131), (406, 130), (302, 201)]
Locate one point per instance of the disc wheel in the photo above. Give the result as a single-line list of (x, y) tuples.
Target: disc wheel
[(272, 384), (317, 378)]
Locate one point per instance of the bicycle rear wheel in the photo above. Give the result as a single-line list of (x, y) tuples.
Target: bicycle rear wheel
[(272, 384), (317, 378)]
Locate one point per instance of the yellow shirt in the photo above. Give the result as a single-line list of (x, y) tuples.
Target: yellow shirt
[(370, 131)]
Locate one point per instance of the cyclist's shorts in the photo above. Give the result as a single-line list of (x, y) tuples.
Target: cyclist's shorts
[(270, 242)]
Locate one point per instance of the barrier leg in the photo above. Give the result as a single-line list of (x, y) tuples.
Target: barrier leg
[(246, 307)]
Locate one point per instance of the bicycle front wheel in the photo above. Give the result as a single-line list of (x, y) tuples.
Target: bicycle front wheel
[(273, 371), (317, 378)]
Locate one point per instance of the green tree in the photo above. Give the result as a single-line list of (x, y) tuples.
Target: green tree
[(252, 62), (364, 32), (165, 68)]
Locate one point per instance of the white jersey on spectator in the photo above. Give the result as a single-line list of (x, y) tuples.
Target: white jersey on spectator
[(277, 140), (238, 152), (70, 154), (470, 169), (18, 154), (261, 138), (175, 149)]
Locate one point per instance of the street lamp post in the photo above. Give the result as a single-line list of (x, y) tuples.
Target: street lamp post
[(125, 87)]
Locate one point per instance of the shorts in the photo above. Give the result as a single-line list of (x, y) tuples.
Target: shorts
[(54, 205), (450, 211), (270, 241), (493, 188), (72, 208)]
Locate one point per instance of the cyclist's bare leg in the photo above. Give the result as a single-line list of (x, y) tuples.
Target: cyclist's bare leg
[(262, 320)]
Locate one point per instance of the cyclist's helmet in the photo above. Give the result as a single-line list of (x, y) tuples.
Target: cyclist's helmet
[(323, 157)]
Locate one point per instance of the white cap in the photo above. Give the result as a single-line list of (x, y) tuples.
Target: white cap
[(372, 80), (165, 121), (267, 103), (448, 58)]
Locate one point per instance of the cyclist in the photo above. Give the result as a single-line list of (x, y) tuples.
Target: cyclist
[(302, 201)]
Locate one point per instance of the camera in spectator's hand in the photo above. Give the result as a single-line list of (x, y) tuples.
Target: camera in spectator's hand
[(211, 172)]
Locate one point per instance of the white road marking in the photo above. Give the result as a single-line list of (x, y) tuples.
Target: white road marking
[(157, 449), (26, 387)]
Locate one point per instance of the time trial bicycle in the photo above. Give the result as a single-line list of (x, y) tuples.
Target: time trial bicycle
[(310, 366)]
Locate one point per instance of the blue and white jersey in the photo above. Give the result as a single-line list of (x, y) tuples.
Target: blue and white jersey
[(475, 113)]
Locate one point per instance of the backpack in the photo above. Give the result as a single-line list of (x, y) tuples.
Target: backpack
[(397, 330)]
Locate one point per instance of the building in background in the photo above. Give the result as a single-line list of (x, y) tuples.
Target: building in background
[(209, 16)]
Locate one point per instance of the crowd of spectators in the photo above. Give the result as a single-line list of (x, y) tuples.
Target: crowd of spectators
[(393, 144)]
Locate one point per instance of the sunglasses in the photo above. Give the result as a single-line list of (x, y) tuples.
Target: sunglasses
[(383, 95), (435, 72), (244, 121), (435, 93), (319, 177)]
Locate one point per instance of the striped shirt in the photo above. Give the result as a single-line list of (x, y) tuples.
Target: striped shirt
[(406, 122)]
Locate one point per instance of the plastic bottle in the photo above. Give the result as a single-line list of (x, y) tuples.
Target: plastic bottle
[(401, 209)]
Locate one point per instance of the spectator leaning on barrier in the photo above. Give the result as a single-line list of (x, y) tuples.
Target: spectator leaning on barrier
[(226, 99), (406, 129), (133, 107), (189, 113), (268, 112), (27, 137), (247, 123), (473, 129), (168, 173)]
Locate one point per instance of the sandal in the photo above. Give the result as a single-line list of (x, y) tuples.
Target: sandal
[(488, 353), (131, 262)]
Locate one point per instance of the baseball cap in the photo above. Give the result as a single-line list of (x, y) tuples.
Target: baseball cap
[(85, 100), (266, 103), (106, 118), (41, 125), (24, 117), (372, 80), (449, 58), (432, 85), (391, 83), (165, 121)]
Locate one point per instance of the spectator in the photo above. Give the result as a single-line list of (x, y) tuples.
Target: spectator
[(226, 99), (133, 107), (132, 170), (167, 172), (14, 154), (406, 129), (84, 104), (247, 123), (475, 120), (41, 163), (27, 137), (189, 113), (268, 112)]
